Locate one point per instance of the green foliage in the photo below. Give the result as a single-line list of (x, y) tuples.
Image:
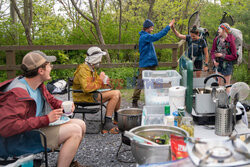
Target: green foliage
[(121, 78), (51, 28), (241, 74)]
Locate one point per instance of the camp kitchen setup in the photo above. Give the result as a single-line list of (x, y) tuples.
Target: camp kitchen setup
[(187, 121)]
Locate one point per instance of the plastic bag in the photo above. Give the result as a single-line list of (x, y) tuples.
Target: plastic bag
[(58, 86), (178, 147)]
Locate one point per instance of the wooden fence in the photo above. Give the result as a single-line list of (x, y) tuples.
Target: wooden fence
[(11, 67)]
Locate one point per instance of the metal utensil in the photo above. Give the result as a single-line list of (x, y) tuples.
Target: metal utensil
[(222, 99)]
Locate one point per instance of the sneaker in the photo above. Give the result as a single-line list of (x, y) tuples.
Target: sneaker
[(135, 104), (76, 164)]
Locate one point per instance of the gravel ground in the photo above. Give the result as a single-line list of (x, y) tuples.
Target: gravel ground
[(99, 149)]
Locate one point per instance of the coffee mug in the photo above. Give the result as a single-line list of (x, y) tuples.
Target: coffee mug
[(105, 80), (67, 107)]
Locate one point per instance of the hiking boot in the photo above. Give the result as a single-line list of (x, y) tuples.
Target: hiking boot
[(135, 104)]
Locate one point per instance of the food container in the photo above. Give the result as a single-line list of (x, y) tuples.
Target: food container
[(145, 153)]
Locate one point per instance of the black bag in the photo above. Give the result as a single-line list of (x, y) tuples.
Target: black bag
[(58, 86)]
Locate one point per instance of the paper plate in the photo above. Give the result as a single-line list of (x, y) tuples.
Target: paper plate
[(60, 121)]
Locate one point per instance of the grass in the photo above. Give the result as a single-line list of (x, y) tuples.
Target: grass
[(128, 93)]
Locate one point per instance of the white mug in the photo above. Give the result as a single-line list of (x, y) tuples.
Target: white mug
[(67, 107), (105, 80)]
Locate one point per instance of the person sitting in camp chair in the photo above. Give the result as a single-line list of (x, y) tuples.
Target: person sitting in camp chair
[(87, 79), (26, 104)]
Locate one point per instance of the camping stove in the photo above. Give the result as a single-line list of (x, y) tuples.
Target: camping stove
[(218, 152)]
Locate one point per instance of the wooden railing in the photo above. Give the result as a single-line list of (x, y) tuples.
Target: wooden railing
[(11, 67)]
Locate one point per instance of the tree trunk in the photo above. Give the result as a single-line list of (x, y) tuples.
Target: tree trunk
[(26, 24), (120, 27), (13, 15), (95, 21), (185, 15), (150, 10)]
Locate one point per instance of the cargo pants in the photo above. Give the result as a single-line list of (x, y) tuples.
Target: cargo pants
[(139, 83)]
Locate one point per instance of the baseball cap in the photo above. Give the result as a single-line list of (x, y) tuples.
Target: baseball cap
[(34, 59)]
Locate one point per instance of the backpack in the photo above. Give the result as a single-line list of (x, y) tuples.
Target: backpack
[(195, 49), (203, 32), (58, 86), (238, 43)]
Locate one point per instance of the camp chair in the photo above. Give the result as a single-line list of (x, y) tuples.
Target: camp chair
[(12, 158), (86, 107)]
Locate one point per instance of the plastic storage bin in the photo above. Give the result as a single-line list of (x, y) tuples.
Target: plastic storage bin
[(153, 115), (157, 84)]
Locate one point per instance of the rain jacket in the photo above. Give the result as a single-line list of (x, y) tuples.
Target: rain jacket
[(18, 118), (86, 80), (229, 56), (146, 47)]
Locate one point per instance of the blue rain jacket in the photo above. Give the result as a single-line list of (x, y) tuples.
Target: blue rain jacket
[(146, 47)]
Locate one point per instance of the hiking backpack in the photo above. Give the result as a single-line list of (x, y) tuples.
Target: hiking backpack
[(238, 43)]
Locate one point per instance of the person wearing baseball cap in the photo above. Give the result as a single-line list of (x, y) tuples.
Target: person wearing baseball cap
[(87, 79), (148, 59), (26, 104)]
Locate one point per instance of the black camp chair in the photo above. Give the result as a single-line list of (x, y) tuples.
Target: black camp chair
[(86, 107)]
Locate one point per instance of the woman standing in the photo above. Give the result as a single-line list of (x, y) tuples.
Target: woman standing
[(224, 52), (197, 48)]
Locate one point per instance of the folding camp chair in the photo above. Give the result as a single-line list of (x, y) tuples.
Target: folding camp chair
[(37, 162), (86, 107)]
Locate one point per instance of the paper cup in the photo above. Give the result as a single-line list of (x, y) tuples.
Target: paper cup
[(67, 107), (105, 80)]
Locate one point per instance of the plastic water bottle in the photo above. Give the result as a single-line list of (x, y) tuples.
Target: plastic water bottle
[(168, 119)]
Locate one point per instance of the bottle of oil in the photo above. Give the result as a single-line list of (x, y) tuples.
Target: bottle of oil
[(188, 125)]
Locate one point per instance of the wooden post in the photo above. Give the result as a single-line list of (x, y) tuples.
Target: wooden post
[(174, 57), (248, 59), (10, 61)]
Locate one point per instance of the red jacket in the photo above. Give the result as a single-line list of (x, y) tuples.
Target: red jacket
[(18, 109), (229, 57)]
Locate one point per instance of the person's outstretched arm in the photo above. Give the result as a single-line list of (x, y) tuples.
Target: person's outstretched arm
[(159, 35), (178, 34)]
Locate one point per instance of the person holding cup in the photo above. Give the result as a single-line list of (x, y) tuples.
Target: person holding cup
[(87, 79), (26, 104)]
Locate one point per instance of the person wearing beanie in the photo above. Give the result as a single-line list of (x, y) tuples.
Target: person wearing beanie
[(148, 59), (26, 104), (87, 79), (224, 53)]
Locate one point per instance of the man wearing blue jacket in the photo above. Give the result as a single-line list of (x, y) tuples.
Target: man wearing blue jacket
[(148, 59)]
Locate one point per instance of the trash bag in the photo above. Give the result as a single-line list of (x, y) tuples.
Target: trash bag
[(58, 86)]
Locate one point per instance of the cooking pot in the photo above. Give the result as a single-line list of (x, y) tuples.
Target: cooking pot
[(145, 153), (129, 118), (204, 103)]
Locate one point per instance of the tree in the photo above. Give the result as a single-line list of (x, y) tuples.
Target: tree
[(27, 20), (96, 15)]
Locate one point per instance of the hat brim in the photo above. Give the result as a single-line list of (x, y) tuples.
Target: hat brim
[(50, 59)]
